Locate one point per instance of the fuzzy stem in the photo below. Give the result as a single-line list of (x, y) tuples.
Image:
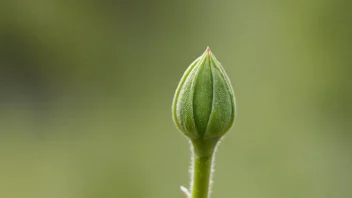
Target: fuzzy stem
[(201, 176), (203, 154)]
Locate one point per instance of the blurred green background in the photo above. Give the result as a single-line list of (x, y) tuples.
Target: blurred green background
[(86, 90)]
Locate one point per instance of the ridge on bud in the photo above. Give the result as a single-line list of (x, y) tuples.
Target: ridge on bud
[(204, 103)]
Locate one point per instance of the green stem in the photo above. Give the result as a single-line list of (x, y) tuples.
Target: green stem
[(201, 176), (203, 153)]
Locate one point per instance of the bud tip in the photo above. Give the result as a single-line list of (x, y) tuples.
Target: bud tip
[(208, 50)]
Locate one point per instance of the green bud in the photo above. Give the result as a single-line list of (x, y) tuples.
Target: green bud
[(204, 103)]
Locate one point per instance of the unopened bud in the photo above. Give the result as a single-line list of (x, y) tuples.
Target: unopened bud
[(204, 104)]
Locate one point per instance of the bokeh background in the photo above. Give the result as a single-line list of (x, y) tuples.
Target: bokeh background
[(86, 90)]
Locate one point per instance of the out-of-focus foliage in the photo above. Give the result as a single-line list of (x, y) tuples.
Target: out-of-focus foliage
[(86, 91)]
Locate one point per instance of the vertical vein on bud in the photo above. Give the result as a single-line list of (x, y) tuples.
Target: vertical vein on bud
[(178, 90), (196, 104), (212, 102), (230, 88), (220, 113), (203, 95), (212, 91)]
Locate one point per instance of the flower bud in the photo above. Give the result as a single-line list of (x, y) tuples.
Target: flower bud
[(204, 104)]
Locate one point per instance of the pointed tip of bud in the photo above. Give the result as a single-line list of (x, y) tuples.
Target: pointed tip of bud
[(208, 50)]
